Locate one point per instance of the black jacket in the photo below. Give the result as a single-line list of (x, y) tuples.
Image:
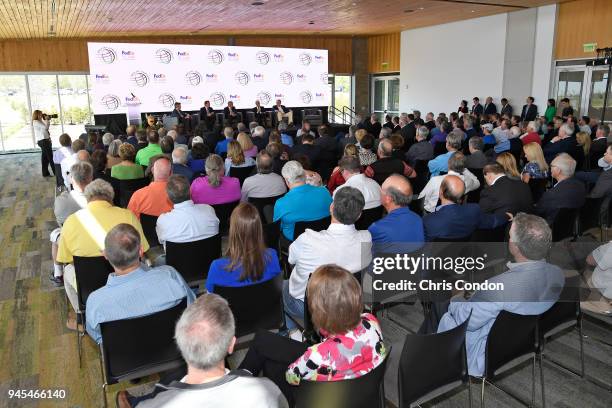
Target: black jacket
[(529, 112), (506, 195), (569, 193)]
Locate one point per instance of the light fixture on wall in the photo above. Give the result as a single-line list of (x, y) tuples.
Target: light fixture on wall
[(51, 32)]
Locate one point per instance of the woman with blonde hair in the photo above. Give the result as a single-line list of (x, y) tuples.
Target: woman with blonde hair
[(583, 140), (215, 187), (508, 162), (249, 149), (536, 166), (236, 157)]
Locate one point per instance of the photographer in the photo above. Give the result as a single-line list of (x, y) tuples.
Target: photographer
[(40, 123)]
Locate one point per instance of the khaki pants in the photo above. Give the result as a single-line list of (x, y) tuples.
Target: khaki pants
[(288, 115), (70, 286)]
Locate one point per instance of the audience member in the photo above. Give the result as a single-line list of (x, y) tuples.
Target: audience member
[(530, 287), (302, 202), (99, 162), (275, 150), (305, 129), (166, 144), (599, 145), (329, 151), (60, 154), (258, 138), (249, 149), (440, 163), (127, 169), (476, 159), (199, 153), (581, 152), (422, 150), (564, 142), (536, 166), (350, 169), (600, 279), (214, 187), (141, 136), (130, 135), (508, 162), (312, 177), (153, 199), (603, 186), (236, 157), (179, 163), (79, 154), (532, 135), (221, 147), (285, 138), (340, 244), (247, 261), (387, 165), (530, 110), (366, 155), (503, 194), (153, 149), (551, 110), (308, 149), (112, 157), (506, 107), (265, 183)]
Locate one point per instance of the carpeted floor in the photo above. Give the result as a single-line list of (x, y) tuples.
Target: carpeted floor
[(38, 352)]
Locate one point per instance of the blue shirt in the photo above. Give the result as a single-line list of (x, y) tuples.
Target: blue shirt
[(303, 203), (139, 293), (221, 146), (400, 231), (197, 165), (488, 139), (286, 139), (218, 275), (182, 170), (439, 164)]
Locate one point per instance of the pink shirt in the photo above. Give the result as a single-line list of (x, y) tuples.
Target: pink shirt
[(531, 137), (252, 152), (227, 192)]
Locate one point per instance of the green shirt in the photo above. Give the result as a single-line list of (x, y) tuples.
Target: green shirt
[(144, 155), (550, 113), (123, 172)]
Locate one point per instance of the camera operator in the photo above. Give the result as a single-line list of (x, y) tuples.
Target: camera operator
[(40, 123)]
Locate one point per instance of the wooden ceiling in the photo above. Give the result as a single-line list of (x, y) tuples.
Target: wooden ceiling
[(28, 19)]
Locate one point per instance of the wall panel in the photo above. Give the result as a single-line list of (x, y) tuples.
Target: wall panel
[(384, 53), (580, 22)]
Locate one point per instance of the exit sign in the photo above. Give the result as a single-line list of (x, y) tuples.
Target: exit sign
[(589, 47)]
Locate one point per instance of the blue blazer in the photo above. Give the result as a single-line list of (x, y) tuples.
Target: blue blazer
[(457, 221)]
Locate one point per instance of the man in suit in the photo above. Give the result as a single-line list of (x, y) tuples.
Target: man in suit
[(418, 121), (566, 108), (260, 113), (476, 159), (453, 220), (208, 116), (477, 108), (372, 125), (530, 110), (389, 122), (489, 108), (504, 194), (282, 112), (531, 286), (329, 151), (506, 108), (429, 121), (231, 115), (603, 186), (409, 132), (308, 149), (183, 118), (569, 192), (564, 142), (599, 144)]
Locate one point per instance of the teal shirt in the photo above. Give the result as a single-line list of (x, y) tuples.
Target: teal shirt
[(303, 203), (144, 155)]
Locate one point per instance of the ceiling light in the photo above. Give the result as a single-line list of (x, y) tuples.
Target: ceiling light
[(408, 11), (257, 3), (421, 8), (311, 22), (472, 11)]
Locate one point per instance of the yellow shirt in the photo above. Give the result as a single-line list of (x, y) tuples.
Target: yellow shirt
[(76, 241)]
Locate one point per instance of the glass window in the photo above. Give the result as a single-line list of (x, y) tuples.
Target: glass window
[(44, 96), (393, 95), (342, 91), (75, 104), (15, 117), (570, 86), (598, 89)]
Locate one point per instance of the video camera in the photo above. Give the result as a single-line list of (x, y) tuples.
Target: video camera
[(47, 116)]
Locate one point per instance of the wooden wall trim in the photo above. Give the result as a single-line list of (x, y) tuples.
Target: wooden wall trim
[(580, 22), (384, 53)]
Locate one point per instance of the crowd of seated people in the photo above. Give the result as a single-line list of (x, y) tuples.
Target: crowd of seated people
[(472, 170)]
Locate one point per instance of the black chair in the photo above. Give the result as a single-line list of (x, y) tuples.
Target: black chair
[(148, 223), (91, 273), (474, 195), (511, 341), (128, 187), (422, 171), (516, 149), (257, 306), (479, 175), (565, 224), (417, 205), (138, 347), (432, 365), (457, 239), (368, 217), (594, 214), (439, 148), (262, 203), (241, 173), (192, 259), (272, 233), (366, 391), (537, 187), (316, 225), (224, 212)]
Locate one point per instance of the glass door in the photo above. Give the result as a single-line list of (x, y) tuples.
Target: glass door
[(385, 96), (598, 81), (570, 84)]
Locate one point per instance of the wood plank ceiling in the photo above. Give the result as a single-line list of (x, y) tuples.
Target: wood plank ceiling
[(29, 19)]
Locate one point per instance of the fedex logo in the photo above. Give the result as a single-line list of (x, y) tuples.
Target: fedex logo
[(133, 99), (319, 95), (319, 58), (258, 77), (102, 78), (301, 77), (183, 55), (212, 77), (186, 99), (278, 57), (279, 95), (128, 55), (159, 78), (232, 56), (235, 96)]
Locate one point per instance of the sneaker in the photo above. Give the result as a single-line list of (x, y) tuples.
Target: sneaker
[(57, 281)]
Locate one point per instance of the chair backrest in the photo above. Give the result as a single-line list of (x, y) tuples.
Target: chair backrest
[(593, 213), (512, 336), (422, 171), (316, 225), (262, 203), (439, 148), (537, 187), (458, 239), (565, 224), (368, 217), (241, 173), (91, 274), (271, 233), (256, 306), (128, 187), (479, 175), (366, 391), (224, 212), (431, 362), (141, 346), (418, 205), (192, 259), (565, 310), (148, 223)]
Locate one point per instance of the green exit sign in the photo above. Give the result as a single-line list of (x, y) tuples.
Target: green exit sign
[(589, 47)]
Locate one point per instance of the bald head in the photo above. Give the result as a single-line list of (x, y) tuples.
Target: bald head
[(161, 169), (451, 190), (82, 155), (385, 148), (396, 192)]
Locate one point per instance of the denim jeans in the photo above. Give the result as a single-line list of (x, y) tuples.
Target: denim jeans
[(294, 308)]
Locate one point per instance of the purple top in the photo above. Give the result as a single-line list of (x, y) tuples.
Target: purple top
[(252, 152), (439, 137), (227, 192)]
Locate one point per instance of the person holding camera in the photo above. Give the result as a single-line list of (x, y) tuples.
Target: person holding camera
[(40, 123)]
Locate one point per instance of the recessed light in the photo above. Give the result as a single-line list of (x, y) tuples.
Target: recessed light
[(421, 8), (257, 3), (408, 11), (311, 22), (472, 11)]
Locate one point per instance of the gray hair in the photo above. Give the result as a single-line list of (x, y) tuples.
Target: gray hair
[(476, 143), (398, 198), (282, 126), (228, 132), (348, 205), (385, 132), (205, 331), (179, 155), (99, 189), (531, 235), (293, 172), (350, 164), (107, 138), (567, 129), (454, 140), (385, 148), (605, 129), (422, 132), (253, 125), (214, 169), (81, 173), (357, 119), (264, 162), (122, 246), (533, 125), (259, 131), (178, 188), (172, 134), (113, 148), (457, 162), (565, 163)]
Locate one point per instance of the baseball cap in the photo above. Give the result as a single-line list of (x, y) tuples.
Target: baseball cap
[(487, 126), (196, 140)]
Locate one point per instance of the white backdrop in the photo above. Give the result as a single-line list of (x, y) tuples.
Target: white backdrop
[(157, 75)]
